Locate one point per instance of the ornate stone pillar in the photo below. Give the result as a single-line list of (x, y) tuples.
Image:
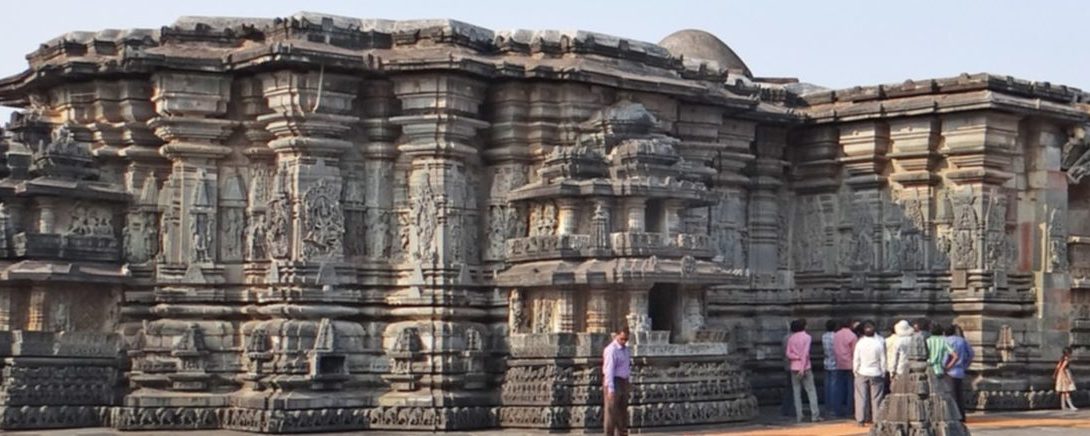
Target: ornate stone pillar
[(978, 150), (187, 104), (914, 159), (598, 313), (507, 155), (261, 168), (567, 216), (306, 217), (635, 213), (764, 217), (638, 319), (378, 104), (440, 145), (864, 145)]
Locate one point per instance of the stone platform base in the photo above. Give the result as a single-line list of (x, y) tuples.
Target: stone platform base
[(1021, 400), (303, 421), (39, 417)]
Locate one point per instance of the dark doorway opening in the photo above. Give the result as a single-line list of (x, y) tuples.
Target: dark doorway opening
[(663, 306)]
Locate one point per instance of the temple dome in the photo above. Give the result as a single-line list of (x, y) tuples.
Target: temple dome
[(697, 44)]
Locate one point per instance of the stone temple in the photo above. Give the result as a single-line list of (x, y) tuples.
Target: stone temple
[(321, 223)]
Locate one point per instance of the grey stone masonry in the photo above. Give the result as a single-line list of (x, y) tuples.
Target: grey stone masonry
[(323, 223)]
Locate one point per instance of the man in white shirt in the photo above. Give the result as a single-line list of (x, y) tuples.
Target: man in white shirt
[(869, 365)]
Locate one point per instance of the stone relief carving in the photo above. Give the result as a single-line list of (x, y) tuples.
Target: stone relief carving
[(456, 249), (201, 244), (1057, 240), (964, 250), (809, 241), (1076, 154), (995, 242), (638, 319), (693, 313), (233, 220), (783, 248), (543, 219), (471, 240), (516, 222), (256, 239), (323, 220), (894, 250), (425, 213), (543, 315), (278, 235), (377, 223), (943, 246), (1005, 344), (516, 311), (141, 238), (89, 220), (497, 232)]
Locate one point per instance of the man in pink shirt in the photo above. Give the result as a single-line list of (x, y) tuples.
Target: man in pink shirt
[(843, 348), (798, 353)]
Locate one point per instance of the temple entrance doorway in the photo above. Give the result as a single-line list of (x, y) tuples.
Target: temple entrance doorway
[(664, 307)]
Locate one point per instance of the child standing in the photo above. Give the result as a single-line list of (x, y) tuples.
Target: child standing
[(1065, 384)]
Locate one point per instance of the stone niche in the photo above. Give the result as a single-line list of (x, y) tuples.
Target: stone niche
[(323, 223)]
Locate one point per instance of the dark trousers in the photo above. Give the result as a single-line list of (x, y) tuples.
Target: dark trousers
[(843, 391), (616, 409), (830, 379), (954, 386)]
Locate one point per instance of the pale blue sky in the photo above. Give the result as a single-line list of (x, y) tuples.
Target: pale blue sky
[(830, 43)]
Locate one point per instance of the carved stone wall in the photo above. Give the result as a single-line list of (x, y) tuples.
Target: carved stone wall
[(323, 223)]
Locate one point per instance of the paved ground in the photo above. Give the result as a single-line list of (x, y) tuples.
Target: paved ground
[(1035, 423)]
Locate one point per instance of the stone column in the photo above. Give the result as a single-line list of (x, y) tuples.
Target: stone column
[(439, 142), (261, 167), (914, 159), (972, 229), (638, 319), (378, 104), (187, 104), (978, 150), (507, 155), (310, 115), (764, 217), (37, 311), (47, 219), (672, 225), (727, 219), (635, 210), (567, 216), (598, 313), (864, 145), (1045, 252)]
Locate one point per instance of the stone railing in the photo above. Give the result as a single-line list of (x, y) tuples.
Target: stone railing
[(532, 345), (621, 244), (547, 247), (69, 247), (709, 335)]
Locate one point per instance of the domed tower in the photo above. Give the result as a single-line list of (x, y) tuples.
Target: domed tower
[(698, 45)]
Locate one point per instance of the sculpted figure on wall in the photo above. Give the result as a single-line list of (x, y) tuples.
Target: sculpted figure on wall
[(140, 238), (378, 233), (964, 251), (323, 220), (423, 218), (256, 237), (1057, 241), (516, 311), (1076, 153), (278, 209)]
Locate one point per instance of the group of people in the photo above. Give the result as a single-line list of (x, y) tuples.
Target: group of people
[(860, 364)]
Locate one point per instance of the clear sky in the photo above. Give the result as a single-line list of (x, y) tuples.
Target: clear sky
[(835, 44)]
